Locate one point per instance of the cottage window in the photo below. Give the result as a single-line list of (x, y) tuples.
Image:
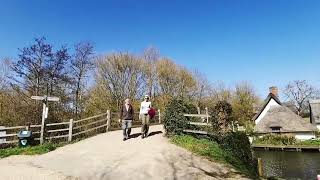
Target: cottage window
[(275, 129)]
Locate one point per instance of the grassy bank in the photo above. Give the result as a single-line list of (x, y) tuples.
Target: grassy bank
[(211, 150), (31, 150)]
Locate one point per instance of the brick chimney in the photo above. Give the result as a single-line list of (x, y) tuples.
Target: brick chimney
[(274, 90)]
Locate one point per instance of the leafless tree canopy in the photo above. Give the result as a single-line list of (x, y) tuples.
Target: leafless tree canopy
[(123, 75), (299, 92), (81, 65), (4, 72)]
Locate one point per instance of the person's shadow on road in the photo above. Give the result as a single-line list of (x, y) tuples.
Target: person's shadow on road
[(135, 135)]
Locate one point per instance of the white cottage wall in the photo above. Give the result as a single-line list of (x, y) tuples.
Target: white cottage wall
[(304, 136)]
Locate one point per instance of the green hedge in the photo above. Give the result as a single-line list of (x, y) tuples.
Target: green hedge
[(275, 139)]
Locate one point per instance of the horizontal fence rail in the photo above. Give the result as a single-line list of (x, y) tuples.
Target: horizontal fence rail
[(203, 124), (72, 129)]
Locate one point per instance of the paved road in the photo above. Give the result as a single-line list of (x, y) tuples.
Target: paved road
[(106, 156)]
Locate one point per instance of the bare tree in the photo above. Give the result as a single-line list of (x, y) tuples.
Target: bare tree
[(4, 72), (151, 55), (81, 64), (123, 75), (40, 70), (203, 88), (299, 91)]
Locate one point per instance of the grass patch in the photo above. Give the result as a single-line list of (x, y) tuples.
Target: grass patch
[(31, 150), (211, 150)]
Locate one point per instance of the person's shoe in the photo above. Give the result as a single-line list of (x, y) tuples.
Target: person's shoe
[(146, 135), (142, 136), (124, 139)]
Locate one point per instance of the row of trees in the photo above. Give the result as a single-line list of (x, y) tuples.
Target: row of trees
[(89, 84)]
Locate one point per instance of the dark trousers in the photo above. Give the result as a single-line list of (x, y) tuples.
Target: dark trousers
[(126, 126)]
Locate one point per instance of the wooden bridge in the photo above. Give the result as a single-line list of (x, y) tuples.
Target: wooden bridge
[(72, 129)]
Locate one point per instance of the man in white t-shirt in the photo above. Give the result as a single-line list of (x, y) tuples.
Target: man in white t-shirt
[(144, 108)]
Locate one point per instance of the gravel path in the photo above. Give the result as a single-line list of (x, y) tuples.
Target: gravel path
[(106, 156)]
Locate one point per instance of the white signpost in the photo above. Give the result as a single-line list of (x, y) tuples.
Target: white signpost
[(45, 111)]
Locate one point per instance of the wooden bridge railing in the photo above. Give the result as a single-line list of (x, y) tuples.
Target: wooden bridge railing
[(72, 129), (204, 122)]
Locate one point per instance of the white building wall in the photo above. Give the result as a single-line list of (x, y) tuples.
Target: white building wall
[(271, 103), (305, 136)]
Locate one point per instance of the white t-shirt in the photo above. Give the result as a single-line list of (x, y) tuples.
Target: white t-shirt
[(145, 106)]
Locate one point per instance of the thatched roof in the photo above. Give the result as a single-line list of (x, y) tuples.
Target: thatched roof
[(281, 116), (269, 97), (315, 111)]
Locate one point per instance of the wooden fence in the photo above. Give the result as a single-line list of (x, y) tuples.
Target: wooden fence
[(203, 123), (72, 129)]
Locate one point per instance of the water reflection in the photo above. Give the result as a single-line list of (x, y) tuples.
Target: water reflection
[(290, 165)]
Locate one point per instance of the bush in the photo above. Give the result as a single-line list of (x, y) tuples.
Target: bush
[(174, 122), (276, 139), (221, 117), (237, 143)]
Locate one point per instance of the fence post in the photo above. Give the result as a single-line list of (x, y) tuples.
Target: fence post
[(207, 113), (2, 133), (108, 120), (260, 167), (159, 116), (70, 130)]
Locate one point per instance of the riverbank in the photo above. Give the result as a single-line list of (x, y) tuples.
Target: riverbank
[(282, 142), (212, 151), (298, 148)]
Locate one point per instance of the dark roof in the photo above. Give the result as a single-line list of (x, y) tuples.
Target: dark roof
[(269, 97), (315, 111), (281, 116)]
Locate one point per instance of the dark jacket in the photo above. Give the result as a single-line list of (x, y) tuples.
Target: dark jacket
[(126, 115)]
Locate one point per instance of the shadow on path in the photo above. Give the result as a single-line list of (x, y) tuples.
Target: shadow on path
[(155, 133), (135, 135)]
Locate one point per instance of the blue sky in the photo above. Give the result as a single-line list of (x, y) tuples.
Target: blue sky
[(264, 42)]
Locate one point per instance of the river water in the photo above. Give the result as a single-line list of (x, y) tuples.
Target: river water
[(290, 165)]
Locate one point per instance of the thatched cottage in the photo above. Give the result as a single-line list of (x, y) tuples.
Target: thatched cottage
[(314, 106), (274, 117)]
